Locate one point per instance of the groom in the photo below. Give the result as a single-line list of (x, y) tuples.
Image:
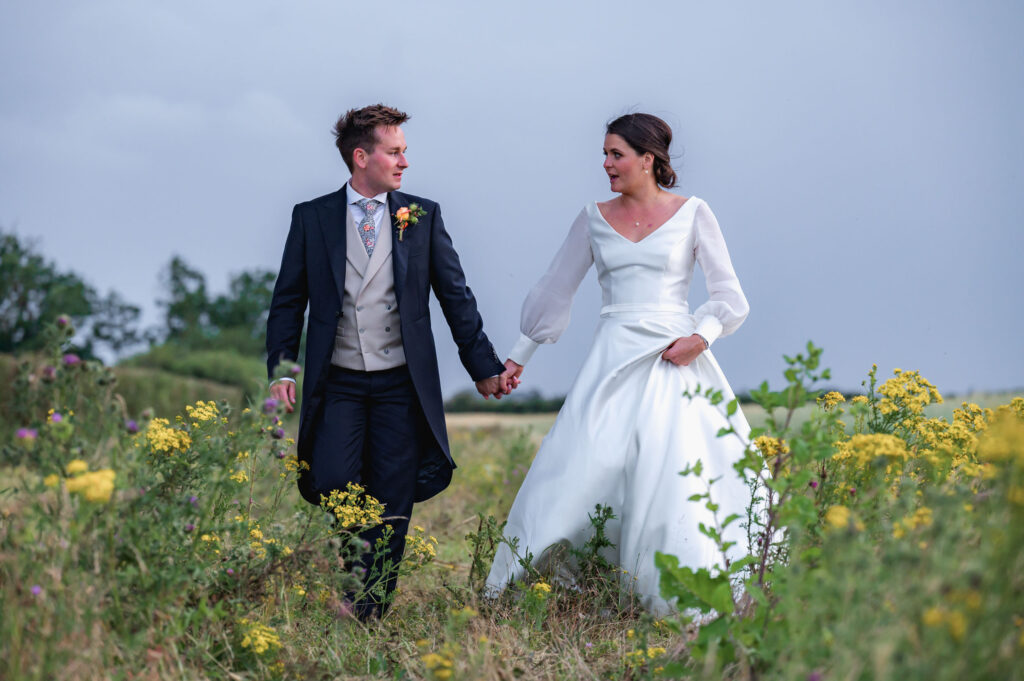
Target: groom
[(371, 400)]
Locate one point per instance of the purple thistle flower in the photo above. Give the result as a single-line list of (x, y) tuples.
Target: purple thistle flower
[(63, 320), (813, 484), (343, 610), (194, 500), (814, 676), (131, 426), (27, 434), (36, 589), (281, 455), (295, 370), (55, 417), (71, 359), (231, 573), (269, 405), (278, 434), (589, 644), (189, 527), (49, 373), (147, 413), (853, 490)]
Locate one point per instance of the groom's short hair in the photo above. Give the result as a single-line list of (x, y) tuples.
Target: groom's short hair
[(357, 128)]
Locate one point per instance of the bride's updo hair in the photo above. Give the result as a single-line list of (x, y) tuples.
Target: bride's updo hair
[(646, 133)]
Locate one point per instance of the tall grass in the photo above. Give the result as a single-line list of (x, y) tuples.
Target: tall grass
[(179, 549)]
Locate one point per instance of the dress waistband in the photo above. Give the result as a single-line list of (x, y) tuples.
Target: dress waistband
[(644, 308)]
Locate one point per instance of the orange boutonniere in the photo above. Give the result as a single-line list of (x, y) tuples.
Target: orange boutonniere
[(406, 216)]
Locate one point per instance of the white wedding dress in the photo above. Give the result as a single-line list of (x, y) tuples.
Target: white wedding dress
[(625, 430)]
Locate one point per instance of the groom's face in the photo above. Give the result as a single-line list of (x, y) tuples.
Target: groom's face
[(383, 167)]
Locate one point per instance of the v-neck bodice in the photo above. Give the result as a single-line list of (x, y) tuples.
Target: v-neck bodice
[(653, 271)]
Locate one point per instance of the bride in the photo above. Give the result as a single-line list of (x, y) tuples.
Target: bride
[(626, 429)]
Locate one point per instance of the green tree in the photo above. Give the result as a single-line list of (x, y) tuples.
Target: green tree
[(187, 308), (115, 323), (33, 293)]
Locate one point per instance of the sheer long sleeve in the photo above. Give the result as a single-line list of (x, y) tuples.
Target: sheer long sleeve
[(726, 307), (547, 308)]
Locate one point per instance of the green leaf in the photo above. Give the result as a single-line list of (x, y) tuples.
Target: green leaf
[(732, 406), (741, 563), (721, 597), (713, 631)]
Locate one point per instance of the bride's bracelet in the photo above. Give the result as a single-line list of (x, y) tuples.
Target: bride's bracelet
[(706, 344)]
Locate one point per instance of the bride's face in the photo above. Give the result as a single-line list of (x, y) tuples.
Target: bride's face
[(624, 166)]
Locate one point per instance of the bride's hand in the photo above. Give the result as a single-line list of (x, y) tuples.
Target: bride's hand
[(684, 350), (510, 377)]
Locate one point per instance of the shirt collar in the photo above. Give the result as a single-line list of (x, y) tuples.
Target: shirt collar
[(355, 197)]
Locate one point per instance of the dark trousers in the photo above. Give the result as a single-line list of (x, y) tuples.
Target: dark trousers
[(369, 433)]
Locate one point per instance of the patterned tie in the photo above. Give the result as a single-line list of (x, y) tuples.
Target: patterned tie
[(366, 225)]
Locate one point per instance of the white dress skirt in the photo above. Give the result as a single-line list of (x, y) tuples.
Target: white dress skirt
[(626, 429)]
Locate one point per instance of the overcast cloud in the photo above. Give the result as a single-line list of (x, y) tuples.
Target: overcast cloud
[(863, 158)]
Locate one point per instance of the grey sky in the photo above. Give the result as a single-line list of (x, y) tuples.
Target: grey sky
[(864, 159)]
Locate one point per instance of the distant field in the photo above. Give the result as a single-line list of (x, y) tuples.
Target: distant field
[(539, 424)]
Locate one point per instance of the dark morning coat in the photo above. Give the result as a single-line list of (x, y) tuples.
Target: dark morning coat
[(313, 272)]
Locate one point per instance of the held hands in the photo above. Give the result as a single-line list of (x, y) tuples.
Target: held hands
[(684, 350), (504, 384), (284, 392), (512, 373)]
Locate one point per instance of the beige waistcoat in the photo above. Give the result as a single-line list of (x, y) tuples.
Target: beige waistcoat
[(369, 335)]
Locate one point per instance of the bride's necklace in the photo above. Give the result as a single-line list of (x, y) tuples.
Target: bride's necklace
[(636, 223)]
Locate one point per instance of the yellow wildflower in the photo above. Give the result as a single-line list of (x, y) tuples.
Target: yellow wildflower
[(259, 637), (957, 624), (831, 399), (771, 446), (933, 617), (163, 438), (909, 391), (292, 463), (240, 477), (862, 450), (1003, 440), (639, 657), (922, 517), (51, 480), (76, 466), (353, 506), (840, 518), (96, 486), (203, 411), (859, 399)]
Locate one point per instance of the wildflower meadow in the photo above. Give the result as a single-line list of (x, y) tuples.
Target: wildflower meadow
[(883, 543)]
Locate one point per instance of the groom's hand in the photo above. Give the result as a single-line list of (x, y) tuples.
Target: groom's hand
[(491, 386), (284, 392)]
